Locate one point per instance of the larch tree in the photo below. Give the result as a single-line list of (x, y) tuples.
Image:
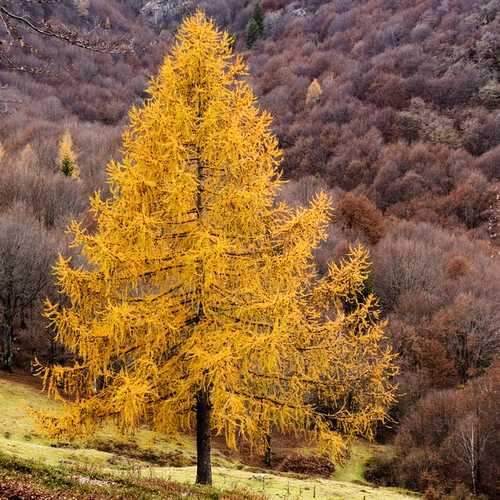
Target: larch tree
[(27, 157), (67, 157), (199, 305), (314, 92), (83, 7)]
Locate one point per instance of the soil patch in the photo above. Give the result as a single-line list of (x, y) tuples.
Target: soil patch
[(22, 377), (121, 450), (307, 465), (284, 457)]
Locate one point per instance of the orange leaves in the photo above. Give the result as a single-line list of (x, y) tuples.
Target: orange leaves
[(195, 279)]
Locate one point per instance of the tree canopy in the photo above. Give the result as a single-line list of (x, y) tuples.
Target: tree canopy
[(197, 290)]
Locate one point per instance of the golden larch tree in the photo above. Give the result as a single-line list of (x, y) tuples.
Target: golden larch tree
[(67, 157), (199, 306), (27, 157), (83, 7), (314, 92)]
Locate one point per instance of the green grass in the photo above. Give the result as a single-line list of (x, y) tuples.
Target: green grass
[(21, 438), (286, 486), (23, 479), (14, 401), (354, 469), (140, 457)]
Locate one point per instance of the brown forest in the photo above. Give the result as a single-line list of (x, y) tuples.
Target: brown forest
[(393, 106)]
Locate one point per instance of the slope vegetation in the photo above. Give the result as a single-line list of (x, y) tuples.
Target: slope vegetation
[(108, 464)]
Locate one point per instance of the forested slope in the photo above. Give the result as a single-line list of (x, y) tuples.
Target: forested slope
[(401, 125)]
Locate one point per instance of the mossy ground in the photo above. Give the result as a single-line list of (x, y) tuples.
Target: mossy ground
[(147, 458)]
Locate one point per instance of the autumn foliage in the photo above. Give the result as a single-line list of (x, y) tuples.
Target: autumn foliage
[(198, 290), (67, 157), (403, 137)]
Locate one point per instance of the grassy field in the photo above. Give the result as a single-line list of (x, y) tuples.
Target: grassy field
[(148, 457)]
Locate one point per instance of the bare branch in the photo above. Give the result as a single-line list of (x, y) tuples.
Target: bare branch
[(61, 33)]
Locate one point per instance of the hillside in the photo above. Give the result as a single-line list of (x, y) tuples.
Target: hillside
[(108, 453), (391, 107)]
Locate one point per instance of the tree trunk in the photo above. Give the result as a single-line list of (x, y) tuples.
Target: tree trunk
[(268, 450), (7, 339), (203, 438)]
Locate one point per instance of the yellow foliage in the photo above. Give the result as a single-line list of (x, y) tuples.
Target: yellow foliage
[(197, 281), (27, 157), (314, 92), (83, 7), (429, 124), (67, 157)]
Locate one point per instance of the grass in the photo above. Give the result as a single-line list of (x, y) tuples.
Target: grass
[(29, 479), (21, 438), (287, 486), (148, 458), (354, 469)]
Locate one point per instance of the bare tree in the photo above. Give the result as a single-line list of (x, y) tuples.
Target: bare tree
[(15, 23), (7, 103), (476, 430), (26, 254), (469, 330), (471, 444)]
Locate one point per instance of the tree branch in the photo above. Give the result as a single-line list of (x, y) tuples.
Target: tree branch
[(66, 35)]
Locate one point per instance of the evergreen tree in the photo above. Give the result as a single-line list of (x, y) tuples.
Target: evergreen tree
[(258, 15), (255, 26), (200, 292), (252, 32)]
